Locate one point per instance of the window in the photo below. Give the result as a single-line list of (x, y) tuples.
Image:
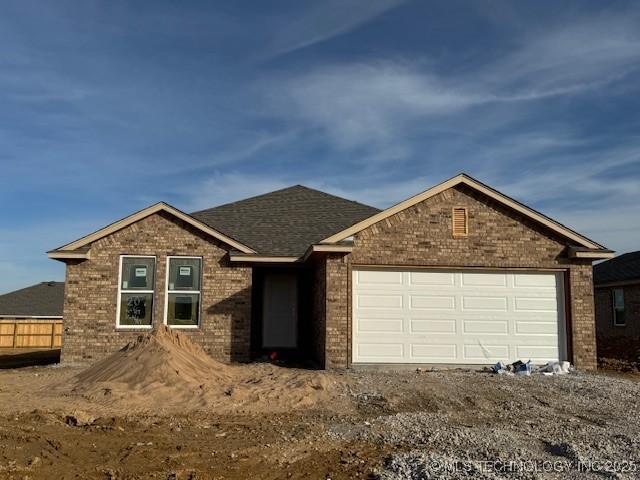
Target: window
[(182, 303), (617, 296), (135, 291), (459, 222)]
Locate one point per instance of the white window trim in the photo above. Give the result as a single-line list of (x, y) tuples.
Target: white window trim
[(613, 308), (192, 292), (121, 291)]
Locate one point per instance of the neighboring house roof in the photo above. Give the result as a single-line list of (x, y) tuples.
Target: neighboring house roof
[(40, 300), (285, 222), (624, 268), (464, 179)]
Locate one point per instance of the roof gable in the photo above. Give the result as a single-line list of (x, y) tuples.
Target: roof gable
[(75, 248), (285, 222), (475, 184)]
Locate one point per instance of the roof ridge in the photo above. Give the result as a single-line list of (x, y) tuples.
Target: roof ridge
[(247, 198), (292, 187)]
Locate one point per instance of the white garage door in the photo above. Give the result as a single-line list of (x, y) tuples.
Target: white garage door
[(463, 317)]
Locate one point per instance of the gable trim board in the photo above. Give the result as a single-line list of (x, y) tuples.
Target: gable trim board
[(464, 179), (67, 251)]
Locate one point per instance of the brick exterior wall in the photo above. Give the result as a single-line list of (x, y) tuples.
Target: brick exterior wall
[(91, 291), (498, 238), (319, 309), (616, 341)]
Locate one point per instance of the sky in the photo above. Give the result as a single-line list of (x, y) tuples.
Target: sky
[(107, 107)]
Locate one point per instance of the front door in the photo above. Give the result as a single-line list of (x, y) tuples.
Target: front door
[(280, 311)]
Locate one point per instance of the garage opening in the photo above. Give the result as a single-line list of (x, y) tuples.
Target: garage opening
[(467, 317)]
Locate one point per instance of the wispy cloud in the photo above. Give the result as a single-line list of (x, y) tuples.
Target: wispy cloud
[(382, 101), (325, 20)]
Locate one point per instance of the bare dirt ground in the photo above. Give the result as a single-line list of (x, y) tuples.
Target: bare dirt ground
[(389, 425)]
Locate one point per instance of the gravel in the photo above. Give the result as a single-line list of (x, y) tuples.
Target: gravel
[(469, 424)]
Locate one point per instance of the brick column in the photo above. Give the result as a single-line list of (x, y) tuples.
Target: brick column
[(582, 317), (337, 318)]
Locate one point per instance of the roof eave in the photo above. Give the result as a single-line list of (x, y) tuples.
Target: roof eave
[(67, 255), (591, 254), (255, 258), (317, 248)]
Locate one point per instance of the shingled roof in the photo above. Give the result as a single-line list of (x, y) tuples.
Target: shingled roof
[(620, 269), (40, 300), (287, 221)]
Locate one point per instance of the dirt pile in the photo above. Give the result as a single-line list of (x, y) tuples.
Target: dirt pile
[(164, 370)]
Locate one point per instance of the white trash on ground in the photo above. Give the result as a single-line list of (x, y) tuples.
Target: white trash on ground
[(525, 368)]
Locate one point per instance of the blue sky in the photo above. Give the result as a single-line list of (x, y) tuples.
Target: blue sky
[(107, 107)]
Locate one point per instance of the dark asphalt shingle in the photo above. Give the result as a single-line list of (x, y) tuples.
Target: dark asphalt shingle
[(619, 269), (40, 300), (287, 221)]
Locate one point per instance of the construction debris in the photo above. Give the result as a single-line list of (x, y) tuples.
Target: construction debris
[(525, 368)]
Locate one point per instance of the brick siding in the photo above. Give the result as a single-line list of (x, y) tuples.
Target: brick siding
[(91, 291)]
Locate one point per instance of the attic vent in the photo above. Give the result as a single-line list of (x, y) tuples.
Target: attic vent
[(460, 222)]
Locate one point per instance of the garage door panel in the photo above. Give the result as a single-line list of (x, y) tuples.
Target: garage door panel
[(431, 278), (429, 352), (378, 277), (432, 302), (429, 325), (546, 353), (536, 328), (379, 301), (471, 317), (535, 280), (540, 304), (384, 351), (483, 279), (471, 303), (496, 327), (484, 353), (380, 325)]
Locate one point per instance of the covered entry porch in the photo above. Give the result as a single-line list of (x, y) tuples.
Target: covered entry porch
[(282, 324)]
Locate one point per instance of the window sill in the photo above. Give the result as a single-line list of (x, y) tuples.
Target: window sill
[(183, 327), (127, 328)]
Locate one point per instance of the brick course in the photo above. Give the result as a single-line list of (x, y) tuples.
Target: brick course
[(92, 287), (422, 236)]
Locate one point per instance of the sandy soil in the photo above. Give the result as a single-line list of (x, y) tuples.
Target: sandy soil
[(388, 425)]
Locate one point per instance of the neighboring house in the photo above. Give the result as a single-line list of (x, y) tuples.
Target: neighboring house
[(32, 316), (457, 274), (617, 297)]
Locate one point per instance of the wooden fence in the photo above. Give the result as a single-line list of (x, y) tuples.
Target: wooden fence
[(30, 333)]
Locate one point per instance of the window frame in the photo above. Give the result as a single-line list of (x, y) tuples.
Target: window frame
[(121, 291), (616, 310), (186, 292)]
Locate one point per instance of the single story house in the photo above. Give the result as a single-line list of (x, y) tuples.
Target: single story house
[(32, 317), (457, 274), (617, 297)]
